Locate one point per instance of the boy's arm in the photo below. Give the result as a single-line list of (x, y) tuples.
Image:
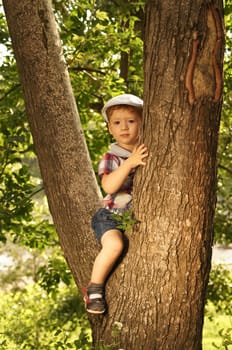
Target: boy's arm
[(112, 182)]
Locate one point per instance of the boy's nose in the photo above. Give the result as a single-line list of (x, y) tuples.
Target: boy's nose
[(124, 125)]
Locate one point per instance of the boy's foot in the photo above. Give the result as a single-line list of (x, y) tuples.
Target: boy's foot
[(94, 299)]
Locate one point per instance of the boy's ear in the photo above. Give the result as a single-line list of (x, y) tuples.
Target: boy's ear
[(109, 129)]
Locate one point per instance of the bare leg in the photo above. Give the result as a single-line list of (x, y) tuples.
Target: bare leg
[(112, 247)]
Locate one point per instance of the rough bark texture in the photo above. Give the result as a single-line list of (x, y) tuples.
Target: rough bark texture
[(57, 134), (157, 292)]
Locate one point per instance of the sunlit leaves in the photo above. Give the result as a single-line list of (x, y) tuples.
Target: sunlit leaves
[(30, 319), (55, 271), (219, 289), (223, 218)]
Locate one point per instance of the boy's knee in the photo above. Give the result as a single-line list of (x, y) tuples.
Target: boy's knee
[(113, 244), (118, 247)]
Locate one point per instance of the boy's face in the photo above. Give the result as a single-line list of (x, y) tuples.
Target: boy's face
[(124, 124)]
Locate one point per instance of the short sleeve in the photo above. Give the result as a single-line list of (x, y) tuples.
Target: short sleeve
[(109, 163)]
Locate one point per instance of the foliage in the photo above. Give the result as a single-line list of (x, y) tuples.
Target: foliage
[(18, 183), (219, 289), (226, 339), (218, 313), (51, 274), (217, 330), (223, 217), (33, 320), (125, 219)]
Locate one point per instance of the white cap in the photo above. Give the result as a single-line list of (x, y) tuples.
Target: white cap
[(125, 99)]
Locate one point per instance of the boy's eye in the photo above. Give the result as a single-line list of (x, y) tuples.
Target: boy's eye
[(116, 122), (131, 121)]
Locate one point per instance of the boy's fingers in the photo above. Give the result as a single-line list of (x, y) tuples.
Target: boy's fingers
[(145, 153)]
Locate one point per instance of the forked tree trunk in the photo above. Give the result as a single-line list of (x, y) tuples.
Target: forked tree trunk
[(157, 292)]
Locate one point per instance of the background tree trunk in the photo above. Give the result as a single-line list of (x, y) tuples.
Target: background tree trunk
[(68, 178), (157, 292)]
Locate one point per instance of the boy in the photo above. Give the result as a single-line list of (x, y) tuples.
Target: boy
[(123, 114)]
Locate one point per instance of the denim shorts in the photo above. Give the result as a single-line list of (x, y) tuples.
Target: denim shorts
[(102, 221)]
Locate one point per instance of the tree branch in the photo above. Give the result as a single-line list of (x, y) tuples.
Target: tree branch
[(9, 92), (229, 170), (87, 69)]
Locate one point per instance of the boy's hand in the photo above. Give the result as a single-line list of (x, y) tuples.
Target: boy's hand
[(138, 155), (111, 183)]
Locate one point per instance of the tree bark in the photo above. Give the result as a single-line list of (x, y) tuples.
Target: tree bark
[(183, 90), (158, 292), (65, 166)]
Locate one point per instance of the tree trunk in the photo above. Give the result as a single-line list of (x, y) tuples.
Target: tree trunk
[(68, 178), (158, 292)]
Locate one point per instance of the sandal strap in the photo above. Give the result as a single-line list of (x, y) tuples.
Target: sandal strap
[(93, 296)]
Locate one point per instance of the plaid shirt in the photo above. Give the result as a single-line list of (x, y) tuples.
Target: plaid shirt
[(121, 200)]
